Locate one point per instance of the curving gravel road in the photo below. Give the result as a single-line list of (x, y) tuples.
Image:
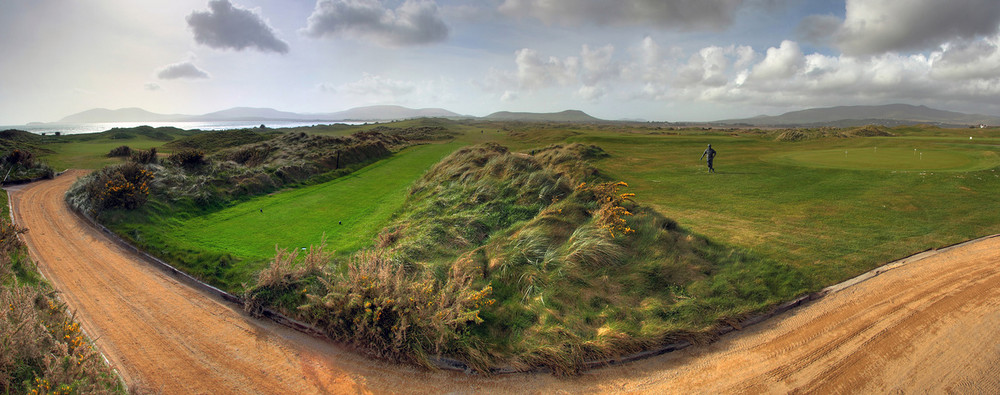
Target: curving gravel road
[(932, 324)]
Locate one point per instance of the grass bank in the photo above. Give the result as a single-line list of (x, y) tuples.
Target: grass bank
[(42, 349)]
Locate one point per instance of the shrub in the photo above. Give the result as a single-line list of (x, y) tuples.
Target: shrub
[(119, 152), (375, 303), (611, 214), (188, 158), (122, 186), (143, 157), (19, 158), (21, 165)]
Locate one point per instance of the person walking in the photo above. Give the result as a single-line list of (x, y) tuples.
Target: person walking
[(710, 153)]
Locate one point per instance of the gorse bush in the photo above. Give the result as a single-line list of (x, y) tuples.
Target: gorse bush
[(122, 186), (375, 303), (143, 157)]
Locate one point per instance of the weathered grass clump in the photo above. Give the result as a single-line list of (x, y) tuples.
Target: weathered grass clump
[(42, 348)]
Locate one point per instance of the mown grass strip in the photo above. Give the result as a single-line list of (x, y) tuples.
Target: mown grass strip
[(349, 210)]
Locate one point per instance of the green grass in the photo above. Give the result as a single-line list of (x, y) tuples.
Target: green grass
[(833, 223), (361, 201), (778, 218), (888, 158), (91, 154), (349, 210)]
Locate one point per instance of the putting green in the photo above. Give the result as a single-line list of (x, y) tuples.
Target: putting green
[(872, 158)]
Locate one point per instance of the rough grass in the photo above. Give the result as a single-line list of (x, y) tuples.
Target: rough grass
[(214, 141), (574, 271), (42, 348)]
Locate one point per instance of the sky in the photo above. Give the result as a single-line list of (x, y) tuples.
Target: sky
[(657, 60)]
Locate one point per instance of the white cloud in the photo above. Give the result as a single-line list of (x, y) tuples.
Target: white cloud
[(186, 70), (598, 65), (708, 67), (968, 60), (781, 62), (374, 88), (535, 71), (152, 86), (781, 76), (414, 22), (593, 70), (672, 15), (873, 27), (226, 26), (377, 86)]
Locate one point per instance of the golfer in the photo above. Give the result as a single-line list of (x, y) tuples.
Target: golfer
[(710, 153)]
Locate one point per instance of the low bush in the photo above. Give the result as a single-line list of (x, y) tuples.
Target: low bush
[(122, 186), (188, 159), (21, 165), (119, 152), (143, 157), (376, 304)]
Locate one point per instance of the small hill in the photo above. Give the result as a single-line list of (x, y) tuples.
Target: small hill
[(563, 116), (889, 114)]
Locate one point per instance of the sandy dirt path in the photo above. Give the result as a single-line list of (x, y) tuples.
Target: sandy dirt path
[(930, 325)]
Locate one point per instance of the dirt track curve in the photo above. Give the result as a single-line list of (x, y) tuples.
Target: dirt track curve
[(931, 325)]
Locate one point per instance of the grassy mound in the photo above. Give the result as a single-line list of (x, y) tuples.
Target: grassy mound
[(508, 259), (214, 141)]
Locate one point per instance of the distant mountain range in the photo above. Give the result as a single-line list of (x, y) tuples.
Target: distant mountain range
[(564, 116), (239, 114), (889, 115)]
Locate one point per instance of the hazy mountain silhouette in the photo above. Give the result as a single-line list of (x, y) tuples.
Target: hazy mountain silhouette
[(890, 114)]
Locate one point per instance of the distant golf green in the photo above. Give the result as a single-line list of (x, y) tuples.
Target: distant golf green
[(888, 158), (349, 210)]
